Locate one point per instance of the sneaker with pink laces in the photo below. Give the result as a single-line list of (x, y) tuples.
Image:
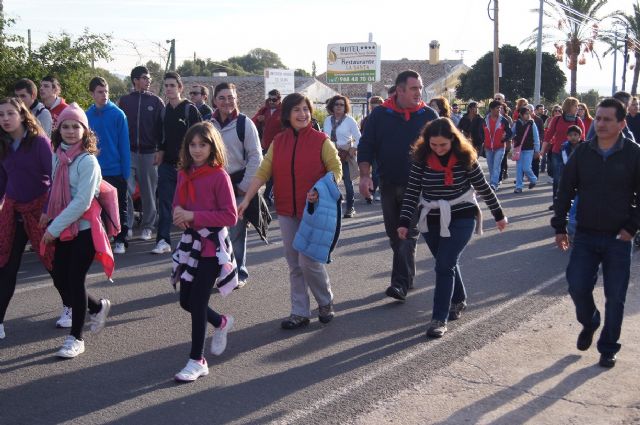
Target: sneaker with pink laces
[(219, 340), (193, 370)]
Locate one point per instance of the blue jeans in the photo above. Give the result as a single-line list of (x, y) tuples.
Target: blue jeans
[(238, 237), (523, 166), (167, 180), (348, 184), (589, 251), (573, 222), (447, 251), (558, 167), (494, 162)]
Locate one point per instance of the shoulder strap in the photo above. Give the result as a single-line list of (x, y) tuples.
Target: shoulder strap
[(240, 126), (39, 110)]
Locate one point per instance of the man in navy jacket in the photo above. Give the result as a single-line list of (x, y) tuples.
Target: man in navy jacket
[(604, 173), (388, 135)]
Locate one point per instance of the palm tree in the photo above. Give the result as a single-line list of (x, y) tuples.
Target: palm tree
[(632, 23), (573, 32)]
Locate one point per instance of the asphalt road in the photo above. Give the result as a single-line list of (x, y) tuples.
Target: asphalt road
[(323, 374)]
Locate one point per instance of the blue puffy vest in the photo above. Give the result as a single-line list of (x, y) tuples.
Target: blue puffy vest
[(319, 229)]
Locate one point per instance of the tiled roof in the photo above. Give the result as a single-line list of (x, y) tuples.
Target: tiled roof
[(250, 90), (389, 70)]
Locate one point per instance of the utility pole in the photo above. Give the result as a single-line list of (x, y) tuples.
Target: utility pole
[(496, 44), (614, 89), (626, 58), (172, 54), (369, 86), (538, 74), (28, 41)]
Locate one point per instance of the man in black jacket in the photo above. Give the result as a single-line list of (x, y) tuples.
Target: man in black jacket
[(604, 173)]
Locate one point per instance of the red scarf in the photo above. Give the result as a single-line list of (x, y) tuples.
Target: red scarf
[(60, 188), (391, 104), (218, 117), (187, 190), (434, 163), (30, 212)]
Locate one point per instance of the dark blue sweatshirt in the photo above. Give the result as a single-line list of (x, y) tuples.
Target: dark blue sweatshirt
[(387, 139)]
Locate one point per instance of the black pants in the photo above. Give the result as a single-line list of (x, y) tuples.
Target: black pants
[(120, 184), (9, 273), (504, 167), (194, 298), (71, 263), (535, 166), (403, 269)]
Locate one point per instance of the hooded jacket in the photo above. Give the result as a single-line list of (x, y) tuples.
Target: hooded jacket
[(388, 136), (110, 125), (143, 117)]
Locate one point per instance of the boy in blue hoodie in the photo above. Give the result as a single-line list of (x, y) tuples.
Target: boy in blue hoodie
[(574, 138), (110, 124)]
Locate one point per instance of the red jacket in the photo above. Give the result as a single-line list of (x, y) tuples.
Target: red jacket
[(297, 165), (556, 132), (494, 140), (271, 124), (56, 111)]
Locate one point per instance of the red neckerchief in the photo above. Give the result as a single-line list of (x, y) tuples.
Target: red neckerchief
[(391, 104), (187, 190), (434, 163), (232, 116)]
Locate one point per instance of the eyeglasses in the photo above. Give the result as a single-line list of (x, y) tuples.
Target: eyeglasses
[(194, 93), (273, 99)]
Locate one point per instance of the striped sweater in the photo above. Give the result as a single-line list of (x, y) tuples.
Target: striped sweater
[(430, 183)]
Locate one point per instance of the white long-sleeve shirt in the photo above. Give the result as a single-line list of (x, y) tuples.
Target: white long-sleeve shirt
[(346, 132)]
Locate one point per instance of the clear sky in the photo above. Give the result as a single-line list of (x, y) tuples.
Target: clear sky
[(298, 30)]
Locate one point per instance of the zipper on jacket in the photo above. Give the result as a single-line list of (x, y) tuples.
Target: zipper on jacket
[(293, 175), (138, 122)]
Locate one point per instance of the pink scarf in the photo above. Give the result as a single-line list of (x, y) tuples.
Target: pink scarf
[(60, 194)]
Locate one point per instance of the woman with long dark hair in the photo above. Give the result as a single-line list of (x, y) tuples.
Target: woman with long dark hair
[(25, 177), (444, 178)]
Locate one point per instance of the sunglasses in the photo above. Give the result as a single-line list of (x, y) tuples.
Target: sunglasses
[(194, 93), (338, 104), (273, 99)]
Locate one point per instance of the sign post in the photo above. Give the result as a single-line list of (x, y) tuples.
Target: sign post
[(353, 63), (282, 80)]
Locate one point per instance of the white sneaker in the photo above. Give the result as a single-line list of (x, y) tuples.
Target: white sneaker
[(146, 235), (192, 371), (119, 248), (219, 340), (71, 348), (98, 320), (65, 318), (2, 334), (130, 234), (162, 247)]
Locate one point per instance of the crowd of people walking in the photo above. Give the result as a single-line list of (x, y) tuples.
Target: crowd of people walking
[(200, 168)]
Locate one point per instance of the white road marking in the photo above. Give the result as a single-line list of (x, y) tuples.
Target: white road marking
[(408, 355)]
